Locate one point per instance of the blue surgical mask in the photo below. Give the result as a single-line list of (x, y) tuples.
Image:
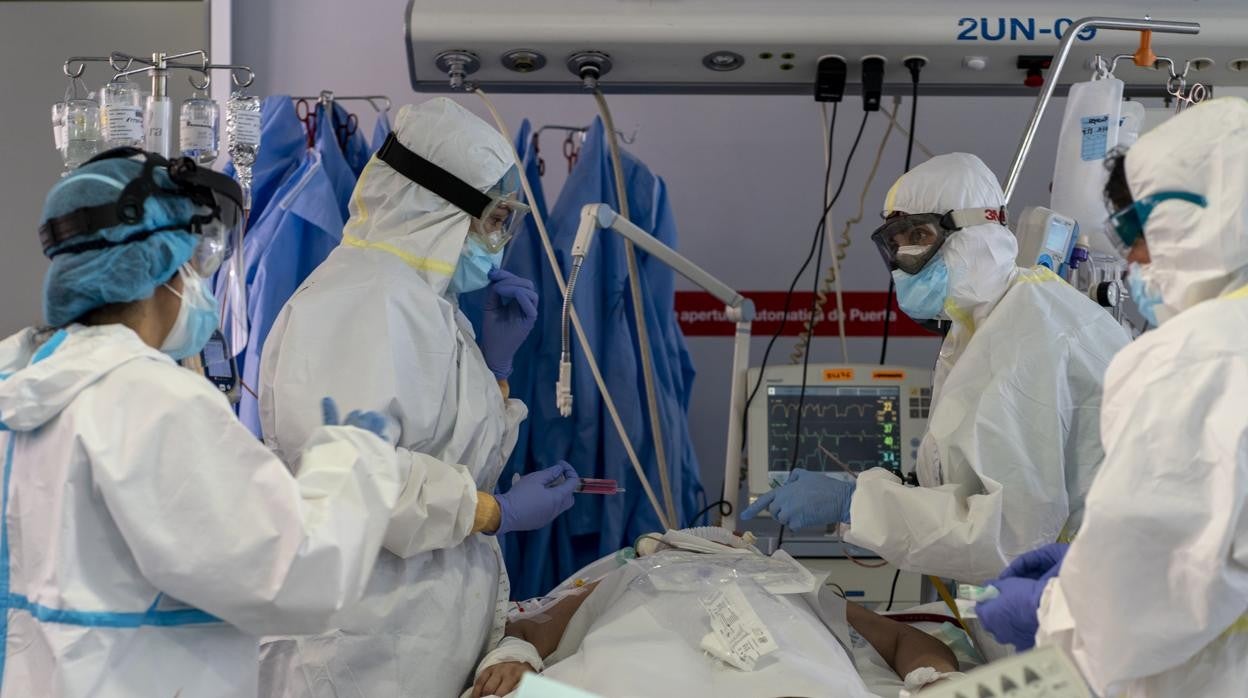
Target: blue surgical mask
[(473, 271), (197, 317), (1146, 300), (922, 296)]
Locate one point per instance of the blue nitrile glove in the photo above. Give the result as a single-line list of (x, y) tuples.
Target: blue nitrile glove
[(807, 499), (509, 315), (1012, 616), (537, 498), (376, 422), (1037, 563)]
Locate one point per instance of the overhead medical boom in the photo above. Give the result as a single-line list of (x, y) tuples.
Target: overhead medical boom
[(737, 307)]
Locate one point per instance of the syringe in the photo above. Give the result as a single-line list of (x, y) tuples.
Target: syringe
[(590, 485)]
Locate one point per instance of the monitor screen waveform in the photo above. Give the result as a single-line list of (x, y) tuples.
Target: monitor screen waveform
[(843, 427)]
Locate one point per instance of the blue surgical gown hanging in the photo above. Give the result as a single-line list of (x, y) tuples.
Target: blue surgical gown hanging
[(381, 129), (340, 163), (597, 526), (290, 236)]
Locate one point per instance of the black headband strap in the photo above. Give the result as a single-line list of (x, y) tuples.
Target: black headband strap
[(437, 180), (81, 221), (138, 236)]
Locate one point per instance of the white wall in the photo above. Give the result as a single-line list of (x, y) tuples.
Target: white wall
[(35, 40), (744, 173)]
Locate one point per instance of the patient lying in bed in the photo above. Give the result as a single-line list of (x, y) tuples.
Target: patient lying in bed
[(679, 623)]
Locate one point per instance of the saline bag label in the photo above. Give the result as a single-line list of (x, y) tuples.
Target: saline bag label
[(1095, 142), (123, 123), (246, 127)]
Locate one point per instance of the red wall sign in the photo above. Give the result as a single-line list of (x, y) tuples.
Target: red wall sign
[(701, 315)]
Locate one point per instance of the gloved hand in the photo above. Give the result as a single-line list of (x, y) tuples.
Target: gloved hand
[(1012, 616), (537, 498), (807, 499), (376, 422), (1037, 563), (509, 315)]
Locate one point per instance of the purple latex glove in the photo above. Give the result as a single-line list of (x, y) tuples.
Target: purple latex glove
[(1012, 617), (509, 315), (537, 498), (1037, 563)]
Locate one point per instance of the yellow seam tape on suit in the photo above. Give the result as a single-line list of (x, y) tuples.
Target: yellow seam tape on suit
[(411, 260)]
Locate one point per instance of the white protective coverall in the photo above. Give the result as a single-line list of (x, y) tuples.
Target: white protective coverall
[(1012, 442), (1152, 595), (147, 540), (376, 328)]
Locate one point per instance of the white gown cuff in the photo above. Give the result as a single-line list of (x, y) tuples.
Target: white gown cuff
[(1054, 613)]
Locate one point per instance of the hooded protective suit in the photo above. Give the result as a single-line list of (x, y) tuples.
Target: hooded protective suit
[(376, 327), (147, 539), (1012, 440), (1152, 595)]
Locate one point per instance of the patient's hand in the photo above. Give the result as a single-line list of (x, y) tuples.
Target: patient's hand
[(500, 679)]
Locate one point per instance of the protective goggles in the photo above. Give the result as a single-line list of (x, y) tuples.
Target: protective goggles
[(499, 225), (1128, 223), (909, 241), (218, 200), (497, 213)]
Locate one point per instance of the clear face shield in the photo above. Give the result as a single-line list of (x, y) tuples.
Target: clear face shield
[(217, 223)]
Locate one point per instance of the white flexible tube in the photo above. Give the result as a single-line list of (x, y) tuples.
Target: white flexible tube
[(576, 320), (834, 245), (892, 116), (639, 312)]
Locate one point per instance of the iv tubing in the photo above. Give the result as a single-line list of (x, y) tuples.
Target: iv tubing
[(576, 320)]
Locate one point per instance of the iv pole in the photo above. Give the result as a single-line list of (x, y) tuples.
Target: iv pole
[(737, 307), (1042, 101)]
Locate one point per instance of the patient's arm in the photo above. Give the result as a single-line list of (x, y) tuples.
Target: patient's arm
[(903, 647), (546, 633)]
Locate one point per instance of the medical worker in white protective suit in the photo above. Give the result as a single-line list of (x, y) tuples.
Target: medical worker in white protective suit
[(146, 541), (1151, 599), (378, 326), (1012, 442)]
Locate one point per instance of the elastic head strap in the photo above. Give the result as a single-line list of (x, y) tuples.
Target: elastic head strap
[(967, 217), (81, 221), (460, 194)]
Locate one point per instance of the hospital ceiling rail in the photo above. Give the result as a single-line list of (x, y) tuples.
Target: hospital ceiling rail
[(1046, 93), (972, 47), (737, 307), (328, 97), (626, 139)]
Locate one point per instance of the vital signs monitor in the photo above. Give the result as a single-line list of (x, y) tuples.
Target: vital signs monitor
[(853, 417)]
